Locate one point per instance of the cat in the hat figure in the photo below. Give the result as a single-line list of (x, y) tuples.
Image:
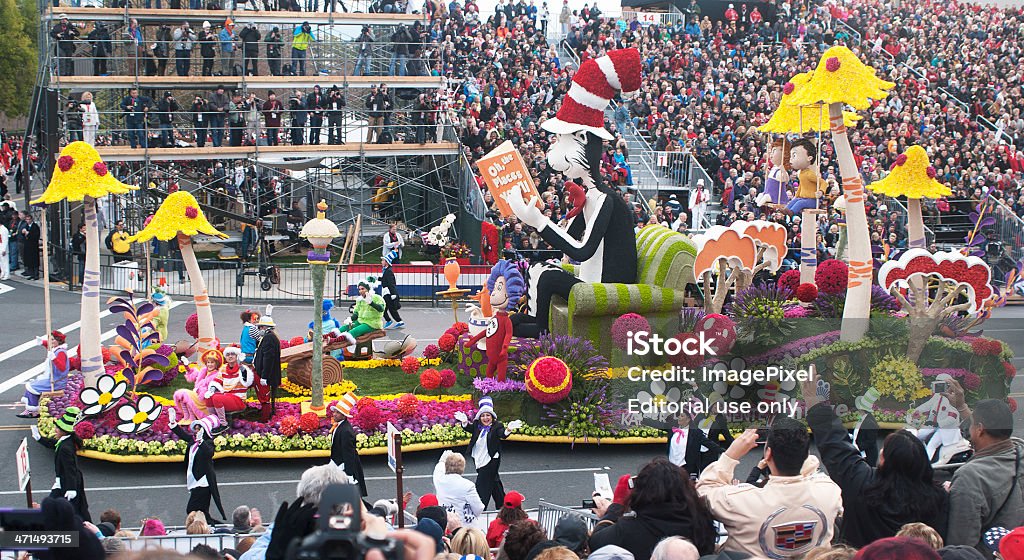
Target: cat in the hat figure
[(601, 237)]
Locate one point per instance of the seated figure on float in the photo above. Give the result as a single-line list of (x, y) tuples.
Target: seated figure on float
[(227, 389), (54, 376), (188, 401)]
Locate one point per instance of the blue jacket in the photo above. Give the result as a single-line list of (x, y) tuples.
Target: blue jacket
[(227, 40)]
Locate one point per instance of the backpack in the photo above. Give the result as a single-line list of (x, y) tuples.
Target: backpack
[(385, 137)]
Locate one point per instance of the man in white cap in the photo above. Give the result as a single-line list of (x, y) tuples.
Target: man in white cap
[(485, 448), (343, 441), (698, 205)]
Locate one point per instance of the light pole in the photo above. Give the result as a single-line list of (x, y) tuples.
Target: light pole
[(319, 232)]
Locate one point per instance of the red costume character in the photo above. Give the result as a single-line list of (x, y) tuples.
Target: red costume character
[(506, 285), (490, 242)]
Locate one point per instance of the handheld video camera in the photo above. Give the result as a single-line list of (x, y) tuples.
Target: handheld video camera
[(338, 535)]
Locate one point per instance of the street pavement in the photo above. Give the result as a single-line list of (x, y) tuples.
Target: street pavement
[(555, 473)]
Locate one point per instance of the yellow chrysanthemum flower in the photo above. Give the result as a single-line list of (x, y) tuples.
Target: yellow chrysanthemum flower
[(179, 213), (793, 119), (80, 173), (911, 176), (841, 77)]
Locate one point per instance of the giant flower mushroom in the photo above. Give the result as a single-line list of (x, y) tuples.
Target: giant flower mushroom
[(80, 175), (912, 176), (840, 78), (180, 216), (798, 119)]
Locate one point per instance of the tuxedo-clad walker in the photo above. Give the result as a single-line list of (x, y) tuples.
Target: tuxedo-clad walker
[(200, 476), (68, 480), (344, 454), (686, 444), (486, 435)]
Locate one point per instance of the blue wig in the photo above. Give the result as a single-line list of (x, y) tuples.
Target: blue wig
[(328, 305), (514, 284)]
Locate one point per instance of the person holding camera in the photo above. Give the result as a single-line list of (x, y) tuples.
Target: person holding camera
[(207, 48), (315, 104), (200, 120), (272, 110), (485, 440), (165, 116), (302, 38), (335, 116), (250, 49), (364, 52), (101, 43), (183, 43), (378, 104), (297, 108), (200, 477), (135, 109), (64, 35), (73, 119), (343, 441), (275, 46), (236, 119)]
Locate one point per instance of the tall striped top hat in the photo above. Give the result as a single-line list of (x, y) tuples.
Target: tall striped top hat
[(595, 84), (486, 405), (205, 424), (344, 405), (67, 421)]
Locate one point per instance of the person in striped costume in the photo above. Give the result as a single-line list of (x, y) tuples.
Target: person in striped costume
[(226, 392)]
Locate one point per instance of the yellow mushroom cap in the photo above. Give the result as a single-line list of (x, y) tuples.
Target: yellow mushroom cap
[(841, 77), (80, 173), (179, 213), (911, 176), (793, 119)]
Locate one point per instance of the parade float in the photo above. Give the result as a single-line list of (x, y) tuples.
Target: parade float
[(877, 336)]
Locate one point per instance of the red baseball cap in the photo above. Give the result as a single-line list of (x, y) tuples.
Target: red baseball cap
[(514, 499), (1012, 545), (428, 500)]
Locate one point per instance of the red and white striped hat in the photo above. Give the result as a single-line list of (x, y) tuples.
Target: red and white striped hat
[(594, 85)]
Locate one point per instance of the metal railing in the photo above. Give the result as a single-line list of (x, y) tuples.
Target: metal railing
[(159, 57), (548, 516)]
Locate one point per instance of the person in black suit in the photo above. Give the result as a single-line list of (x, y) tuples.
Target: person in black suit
[(70, 484), (485, 448), (685, 440), (267, 362), (200, 478), (343, 441), (715, 426), (30, 247)]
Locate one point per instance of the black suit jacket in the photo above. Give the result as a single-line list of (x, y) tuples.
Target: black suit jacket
[(494, 437), (69, 477), (267, 360), (202, 465), (343, 451), (695, 439)]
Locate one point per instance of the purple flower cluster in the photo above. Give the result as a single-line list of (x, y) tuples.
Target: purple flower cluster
[(577, 353), (490, 385), (882, 300), (970, 380), (795, 348)]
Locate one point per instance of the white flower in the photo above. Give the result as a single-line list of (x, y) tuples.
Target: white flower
[(721, 386), (138, 417), (104, 396), (658, 397)]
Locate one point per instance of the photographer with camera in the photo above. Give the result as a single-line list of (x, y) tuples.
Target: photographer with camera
[(207, 48), (272, 111), (302, 38), (297, 108), (73, 117), (335, 116), (166, 108), (200, 120), (275, 46), (364, 51), (64, 35), (183, 43), (378, 104), (328, 521), (315, 104), (250, 49)]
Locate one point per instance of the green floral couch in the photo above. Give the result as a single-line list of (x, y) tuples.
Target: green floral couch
[(665, 266)]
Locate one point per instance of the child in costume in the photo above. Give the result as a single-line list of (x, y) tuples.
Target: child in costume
[(506, 286), (227, 390), (189, 401), (68, 482), (803, 157), (57, 367), (368, 315), (250, 336)]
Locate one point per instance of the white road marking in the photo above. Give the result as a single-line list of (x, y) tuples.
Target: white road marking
[(34, 371), (4, 288), (369, 478), (30, 344)]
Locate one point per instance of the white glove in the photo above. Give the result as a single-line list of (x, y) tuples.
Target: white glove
[(35, 433), (447, 453), (513, 425), (528, 212), (210, 392), (461, 417), (70, 495), (172, 418), (389, 506)]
